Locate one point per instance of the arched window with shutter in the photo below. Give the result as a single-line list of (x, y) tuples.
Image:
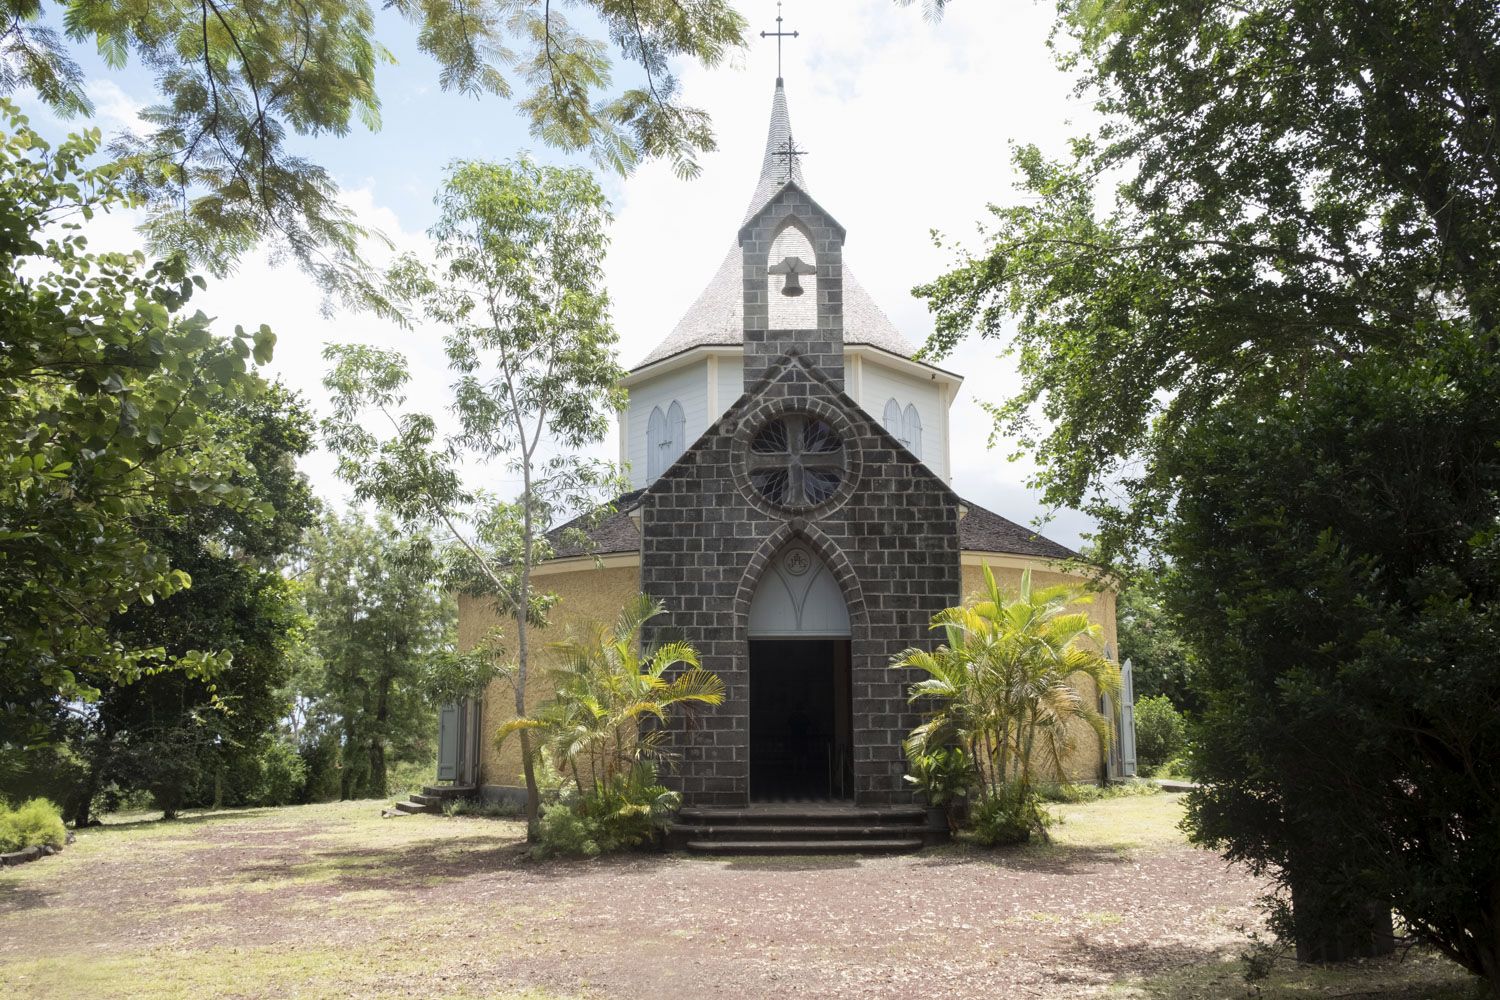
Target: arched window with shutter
[(892, 419), (676, 435), (911, 429), (656, 439)]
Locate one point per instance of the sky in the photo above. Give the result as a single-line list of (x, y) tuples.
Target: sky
[(908, 127)]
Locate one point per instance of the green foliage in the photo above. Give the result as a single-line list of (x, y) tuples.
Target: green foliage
[(606, 690), (110, 397), (1161, 662), (380, 623), (30, 824), (322, 765), (1338, 557), (1292, 183), (519, 285), (1005, 683), (632, 810), (274, 775), (1265, 360), (1094, 793), (240, 85), (1160, 734), (945, 777), (186, 738), (1008, 815), (482, 808)]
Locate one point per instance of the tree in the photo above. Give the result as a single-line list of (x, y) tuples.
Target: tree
[(1307, 192), (1302, 182), (184, 737), (1005, 683), (520, 250), (1338, 563), (1162, 662), (108, 392), (605, 690), (380, 624), (239, 83)]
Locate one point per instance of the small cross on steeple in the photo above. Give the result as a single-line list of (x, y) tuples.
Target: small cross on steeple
[(778, 34), (790, 152)]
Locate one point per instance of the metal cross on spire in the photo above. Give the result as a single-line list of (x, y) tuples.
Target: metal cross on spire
[(778, 34), (790, 152)]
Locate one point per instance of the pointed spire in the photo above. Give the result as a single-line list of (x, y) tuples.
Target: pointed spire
[(775, 163)]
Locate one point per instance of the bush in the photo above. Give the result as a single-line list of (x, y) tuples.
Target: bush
[(37, 821), (1093, 793), (634, 812), (321, 765), (483, 808), (406, 776), (1159, 732), (283, 774), (1009, 817)]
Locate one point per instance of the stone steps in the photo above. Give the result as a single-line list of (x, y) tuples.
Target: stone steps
[(431, 799), (864, 845), (802, 828), (767, 832)]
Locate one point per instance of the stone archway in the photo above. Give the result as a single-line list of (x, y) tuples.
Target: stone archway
[(801, 700)]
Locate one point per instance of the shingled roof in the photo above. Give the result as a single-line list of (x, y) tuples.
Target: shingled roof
[(981, 530), (717, 318)]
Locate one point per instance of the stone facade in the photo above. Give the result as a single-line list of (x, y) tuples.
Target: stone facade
[(889, 533), (703, 536)]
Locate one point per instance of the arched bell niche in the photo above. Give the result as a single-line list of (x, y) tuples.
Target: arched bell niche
[(801, 709), (791, 266)]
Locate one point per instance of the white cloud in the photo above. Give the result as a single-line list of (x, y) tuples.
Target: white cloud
[(114, 109)]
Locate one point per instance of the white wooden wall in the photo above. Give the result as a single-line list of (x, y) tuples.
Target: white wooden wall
[(879, 384), (688, 385)]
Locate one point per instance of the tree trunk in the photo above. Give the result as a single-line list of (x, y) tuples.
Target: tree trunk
[(377, 780), (533, 794), (1330, 927)]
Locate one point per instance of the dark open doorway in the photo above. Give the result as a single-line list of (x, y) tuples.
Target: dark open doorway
[(801, 732)]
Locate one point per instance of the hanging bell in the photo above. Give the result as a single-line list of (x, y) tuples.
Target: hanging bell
[(793, 268)]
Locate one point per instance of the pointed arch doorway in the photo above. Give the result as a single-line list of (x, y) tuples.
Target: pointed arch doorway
[(801, 717)]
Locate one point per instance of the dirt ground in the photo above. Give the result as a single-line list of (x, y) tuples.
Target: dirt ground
[(334, 901)]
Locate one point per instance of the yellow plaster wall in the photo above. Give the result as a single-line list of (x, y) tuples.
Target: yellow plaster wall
[(585, 596), (1086, 762)]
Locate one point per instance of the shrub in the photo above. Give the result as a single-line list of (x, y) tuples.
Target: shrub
[(321, 765), (406, 776), (1093, 793), (945, 778), (37, 821), (634, 812), (1010, 816), (283, 774), (483, 808), (1159, 732)]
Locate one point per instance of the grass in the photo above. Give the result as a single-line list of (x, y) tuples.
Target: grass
[(333, 901), (1415, 976), (1122, 823)]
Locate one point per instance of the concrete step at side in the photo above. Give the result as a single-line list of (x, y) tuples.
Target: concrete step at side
[(450, 791), (426, 800), (415, 807), (795, 847)]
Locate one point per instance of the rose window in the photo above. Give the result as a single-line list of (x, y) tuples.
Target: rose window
[(796, 461)]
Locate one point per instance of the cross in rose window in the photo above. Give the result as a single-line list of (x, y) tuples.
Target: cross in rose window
[(796, 461)]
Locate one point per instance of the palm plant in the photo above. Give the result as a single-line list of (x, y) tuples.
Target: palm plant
[(602, 725), (1005, 684)]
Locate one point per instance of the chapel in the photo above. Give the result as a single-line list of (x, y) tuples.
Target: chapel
[(793, 509)]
